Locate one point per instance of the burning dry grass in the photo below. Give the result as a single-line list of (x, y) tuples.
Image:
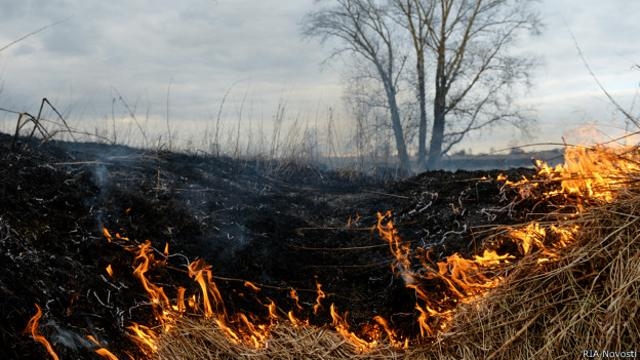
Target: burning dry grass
[(202, 339), (588, 299), (585, 298)]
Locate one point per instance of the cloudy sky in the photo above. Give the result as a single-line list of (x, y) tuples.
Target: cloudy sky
[(197, 51)]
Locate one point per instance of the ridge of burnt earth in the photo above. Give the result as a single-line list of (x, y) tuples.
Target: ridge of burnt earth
[(281, 225)]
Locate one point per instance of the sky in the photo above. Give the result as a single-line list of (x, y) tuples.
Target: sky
[(162, 58)]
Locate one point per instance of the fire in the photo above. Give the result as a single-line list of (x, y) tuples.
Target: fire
[(253, 287), (588, 175), (109, 270), (461, 279), (491, 258), (107, 234), (32, 327), (273, 313), (296, 300), (201, 273), (295, 321), (321, 295), (166, 250), (391, 334), (145, 258), (106, 354), (342, 327), (146, 337), (180, 305)]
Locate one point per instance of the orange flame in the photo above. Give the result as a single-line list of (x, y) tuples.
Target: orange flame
[(391, 335), (166, 250), (253, 287), (463, 278), (321, 295), (592, 173), (342, 327), (107, 234), (109, 270), (106, 354), (32, 327), (145, 258), (272, 308), (201, 273), (145, 337), (180, 305), (295, 321), (296, 300)]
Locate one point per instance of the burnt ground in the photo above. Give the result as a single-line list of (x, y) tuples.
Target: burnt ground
[(280, 225)]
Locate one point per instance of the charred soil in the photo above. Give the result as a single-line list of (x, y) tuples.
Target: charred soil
[(280, 225)]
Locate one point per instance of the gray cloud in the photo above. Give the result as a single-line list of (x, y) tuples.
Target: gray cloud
[(202, 47)]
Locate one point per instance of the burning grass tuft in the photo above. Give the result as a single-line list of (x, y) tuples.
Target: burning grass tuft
[(585, 300)]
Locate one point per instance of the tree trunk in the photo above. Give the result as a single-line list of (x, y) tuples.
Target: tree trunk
[(437, 135), (396, 124), (422, 94), (439, 108), (401, 147)]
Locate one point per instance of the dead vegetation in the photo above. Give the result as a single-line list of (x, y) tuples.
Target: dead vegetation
[(548, 303), (584, 299)]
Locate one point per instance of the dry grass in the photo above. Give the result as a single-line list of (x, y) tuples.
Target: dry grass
[(587, 299), (202, 339)]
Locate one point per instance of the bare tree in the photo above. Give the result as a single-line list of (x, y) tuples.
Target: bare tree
[(413, 16), (364, 28), (474, 71)]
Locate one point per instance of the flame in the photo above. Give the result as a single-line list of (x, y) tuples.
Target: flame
[(391, 334), (107, 234), (32, 327), (180, 305), (106, 354), (146, 337), (342, 327), (166, 250), (145, 258), (400, 249), (253, 287), (213, 304), (273, 315), (461, 279), (296, 300), (295, 321), (109, 270), (321, 295), (201, 273), (491, 258), (589, 175)]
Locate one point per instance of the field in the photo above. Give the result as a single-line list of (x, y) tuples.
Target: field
[(468, 264)]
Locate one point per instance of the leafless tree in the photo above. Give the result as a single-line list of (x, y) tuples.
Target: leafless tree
[(364, 28), (470, 41), (413, 16)]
